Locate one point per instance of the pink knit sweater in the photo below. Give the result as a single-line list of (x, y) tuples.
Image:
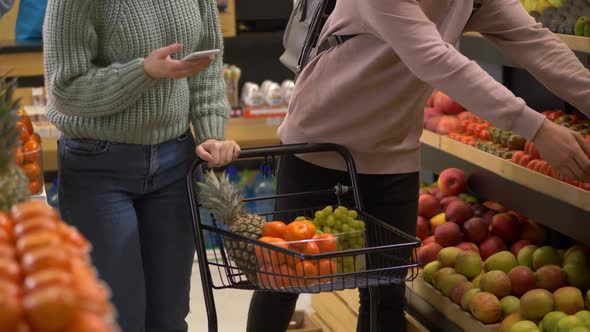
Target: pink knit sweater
[(368, 94)]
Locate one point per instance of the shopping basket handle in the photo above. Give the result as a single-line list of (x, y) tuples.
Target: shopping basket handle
[(304, 148)]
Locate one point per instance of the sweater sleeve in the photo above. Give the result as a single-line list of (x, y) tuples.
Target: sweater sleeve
[(76, 84), (507, 25), (209, 108), (415, 39)]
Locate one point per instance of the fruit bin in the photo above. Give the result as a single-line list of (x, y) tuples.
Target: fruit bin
[(378, 255), (443, 304)]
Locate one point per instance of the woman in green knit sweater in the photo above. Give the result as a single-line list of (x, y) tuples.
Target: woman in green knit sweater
[(124, 103)]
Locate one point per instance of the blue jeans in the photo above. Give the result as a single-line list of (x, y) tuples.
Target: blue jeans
[(131, 202)]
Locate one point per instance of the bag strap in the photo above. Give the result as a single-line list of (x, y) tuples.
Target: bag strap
[(332, 41)]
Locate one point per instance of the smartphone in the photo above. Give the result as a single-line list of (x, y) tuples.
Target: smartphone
[(201, 54)]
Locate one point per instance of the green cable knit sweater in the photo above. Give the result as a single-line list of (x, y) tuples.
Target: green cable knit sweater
[(95, 79)]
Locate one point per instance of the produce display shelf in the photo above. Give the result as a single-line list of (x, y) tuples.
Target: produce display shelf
[(454, 313), (539, 182), (575, 43)]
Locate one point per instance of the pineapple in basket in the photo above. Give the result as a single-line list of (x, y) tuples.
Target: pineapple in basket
[(13, 182), (224, 200)]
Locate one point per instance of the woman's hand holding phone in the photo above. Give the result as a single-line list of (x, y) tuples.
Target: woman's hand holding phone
[(159, 64)]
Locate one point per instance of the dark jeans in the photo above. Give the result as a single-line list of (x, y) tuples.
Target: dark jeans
[(391, 198), (131, 202)]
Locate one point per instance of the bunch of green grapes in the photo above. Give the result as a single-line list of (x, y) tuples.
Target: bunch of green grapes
[(350, 231)]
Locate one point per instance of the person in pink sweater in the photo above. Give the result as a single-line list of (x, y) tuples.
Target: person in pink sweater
[(368, 94)]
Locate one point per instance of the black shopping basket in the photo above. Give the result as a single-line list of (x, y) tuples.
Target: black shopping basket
[(376, 255)]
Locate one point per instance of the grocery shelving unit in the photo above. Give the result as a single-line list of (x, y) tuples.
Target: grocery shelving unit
[(563, 208)]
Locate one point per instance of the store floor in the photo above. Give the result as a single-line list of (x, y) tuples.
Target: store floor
[(232, 306)]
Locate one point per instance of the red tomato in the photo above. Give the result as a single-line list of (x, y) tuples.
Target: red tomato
[(31, 150), (5, 237), (32, 170), (23, 132), (268, 256), (9, 270), (311, 225), (89, 322), (11, 312), (306, 269), (298, 231), (532, 164), (5, 222), (525, 160), (47, 278), (32, 208), (484, 135), (7, 251), (326, 242), (35, 224), (327, 267), (51, 308), (10, 288), (516, 156), (44, 258), (274, 229), (37, 240)]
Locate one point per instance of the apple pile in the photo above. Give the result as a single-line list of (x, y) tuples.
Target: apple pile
[(449, 217), (508, 287), (440, 113), (331, 230), (47, 282)]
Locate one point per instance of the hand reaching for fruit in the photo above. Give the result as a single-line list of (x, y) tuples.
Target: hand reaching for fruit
[(565, 150)]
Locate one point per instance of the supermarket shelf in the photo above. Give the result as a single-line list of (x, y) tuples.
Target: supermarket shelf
[(554, 204), (511, 171)]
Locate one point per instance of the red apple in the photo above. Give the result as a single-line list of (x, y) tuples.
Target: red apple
[(428, 240), (505, 226), (446, 104), (476, 230), (428, 206), (487, 217), (428, 253), (522, 280), (452, 181), (447, 124), (429, 113), (447, 200), (422, 228), (534, 232), (459, 212), (490, 246), (519, 245), (437, 193), (478, 210), (448, 234), (432, 123), (468, 246)]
